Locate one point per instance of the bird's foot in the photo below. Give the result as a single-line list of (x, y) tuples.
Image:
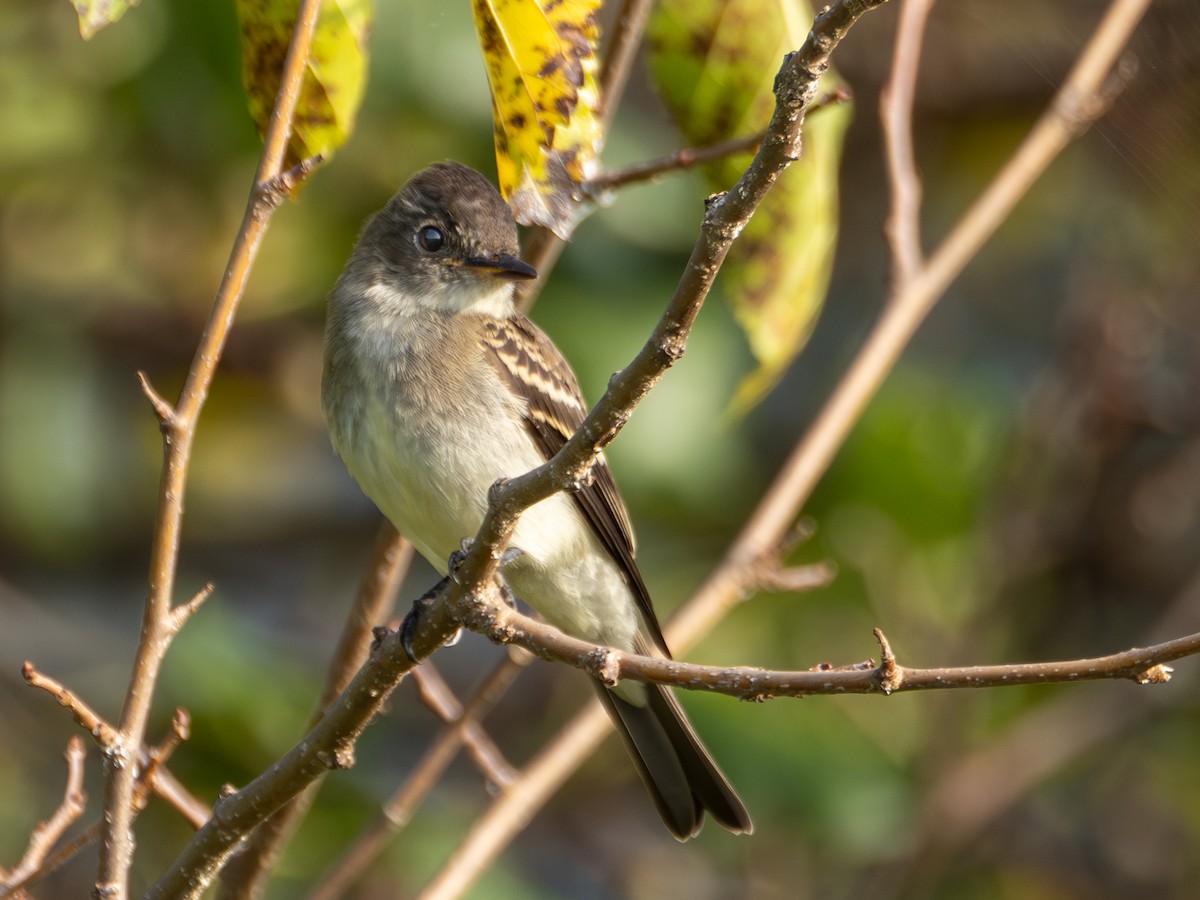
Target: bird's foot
[(408, 628), (511, 554)]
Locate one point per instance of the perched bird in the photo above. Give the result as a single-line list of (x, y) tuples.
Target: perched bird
[(435, 386)]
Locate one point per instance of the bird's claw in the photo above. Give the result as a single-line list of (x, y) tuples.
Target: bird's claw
[(408, 628), (511, 554)]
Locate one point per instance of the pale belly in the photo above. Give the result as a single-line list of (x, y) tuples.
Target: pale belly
[(432, 482)]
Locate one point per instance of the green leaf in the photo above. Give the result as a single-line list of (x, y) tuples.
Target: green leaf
[(541, 63), (335, 77), (95, 14), (715, 63)]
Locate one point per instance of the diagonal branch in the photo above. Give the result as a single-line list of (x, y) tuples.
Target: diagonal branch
[(48, 833), (725, 216), (809, 460), (246, 875), (160, 620), (398, 810), (436, 694), (329, 745)]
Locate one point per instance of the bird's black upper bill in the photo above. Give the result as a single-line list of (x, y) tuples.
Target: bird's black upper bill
[(504, 265)]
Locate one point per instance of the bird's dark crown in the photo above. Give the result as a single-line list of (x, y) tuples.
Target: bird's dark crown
[(461, 203)]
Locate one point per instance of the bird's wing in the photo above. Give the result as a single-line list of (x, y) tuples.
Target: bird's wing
[(536, 372)]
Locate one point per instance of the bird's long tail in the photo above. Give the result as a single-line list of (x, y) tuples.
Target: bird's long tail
[(681, 775)]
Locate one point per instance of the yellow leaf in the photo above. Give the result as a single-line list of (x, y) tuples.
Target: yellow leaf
[(541, 64), (95, 14), (335, 77), (714, 62)]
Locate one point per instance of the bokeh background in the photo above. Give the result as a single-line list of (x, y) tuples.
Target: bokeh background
[(1026, 486)]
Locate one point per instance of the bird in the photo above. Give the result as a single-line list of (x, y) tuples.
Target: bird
[(435, 385)]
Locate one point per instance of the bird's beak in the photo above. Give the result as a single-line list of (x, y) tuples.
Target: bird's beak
[(503, 265)]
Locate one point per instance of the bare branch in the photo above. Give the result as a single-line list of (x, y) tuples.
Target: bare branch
[(619, 57), (501, 623), (247, 873), (159, 620), (690, 157), (482, 749), (330, 745), (795, 578), (157, 756), (686, 158), (903, 225), (86, 717), (46, 834), (184, 611), (162, 409), (399, 808)]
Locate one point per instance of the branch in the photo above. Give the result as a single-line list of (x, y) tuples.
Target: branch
[(330, 745), (619, 57), (399, 808), (799, 475), (610, 666), (690, 157), (85, 717), (246, 875), (483, 750), (46, 834), (903, 225), (725, 216), (160, 620)]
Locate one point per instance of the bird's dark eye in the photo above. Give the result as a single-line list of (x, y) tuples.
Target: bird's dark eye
[(430, 238)]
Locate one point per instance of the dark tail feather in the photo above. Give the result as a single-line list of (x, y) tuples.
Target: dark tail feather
[(679, 772)]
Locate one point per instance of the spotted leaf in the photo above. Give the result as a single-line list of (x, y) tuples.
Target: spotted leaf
[(541, 64), (335, 76), (714, 62)]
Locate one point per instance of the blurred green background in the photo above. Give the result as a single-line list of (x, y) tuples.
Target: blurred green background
[(1026, 486)]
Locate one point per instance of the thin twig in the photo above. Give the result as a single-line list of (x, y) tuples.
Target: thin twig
[(157, 756), (479, 746), (619, 57), (46, 834), (690, 157), (795, 578), (247, 873), (86, 717), (400, 807), (184, 611), (686, 158), (152, 776), (158, 622), (329, 745), (903, 225), (505, 625)]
